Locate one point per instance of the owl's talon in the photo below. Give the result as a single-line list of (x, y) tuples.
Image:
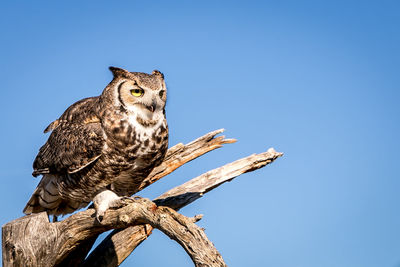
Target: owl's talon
[(99, 218), (119, 203), (127, 199)]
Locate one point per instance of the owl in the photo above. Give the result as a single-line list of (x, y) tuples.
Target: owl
[(102, 148)]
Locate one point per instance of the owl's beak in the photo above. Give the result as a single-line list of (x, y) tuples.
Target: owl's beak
[(153, 105)]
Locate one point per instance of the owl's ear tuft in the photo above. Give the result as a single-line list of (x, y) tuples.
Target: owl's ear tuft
[(158, 73), (117, 71)]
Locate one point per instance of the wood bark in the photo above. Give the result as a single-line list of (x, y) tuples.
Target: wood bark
[(34, 241)]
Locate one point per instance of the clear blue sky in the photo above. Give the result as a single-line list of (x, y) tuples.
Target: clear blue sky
[(317, 80)]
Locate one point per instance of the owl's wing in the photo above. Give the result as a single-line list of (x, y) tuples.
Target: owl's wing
[(77, 112), (70, 148), (75, 142)]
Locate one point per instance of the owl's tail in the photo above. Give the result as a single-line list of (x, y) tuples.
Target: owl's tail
[(45, 197)]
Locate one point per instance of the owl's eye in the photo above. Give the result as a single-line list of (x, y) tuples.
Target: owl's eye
[(137, 92)]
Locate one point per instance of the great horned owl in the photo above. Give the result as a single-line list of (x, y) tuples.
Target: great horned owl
[(108, 143)]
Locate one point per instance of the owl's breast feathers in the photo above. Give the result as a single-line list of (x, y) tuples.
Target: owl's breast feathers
[(130, 145)]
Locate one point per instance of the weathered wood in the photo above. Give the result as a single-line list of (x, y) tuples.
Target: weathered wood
[(125, 241), (29, 241), (34, 241), (111, 251), (188, 192), (83, 225)]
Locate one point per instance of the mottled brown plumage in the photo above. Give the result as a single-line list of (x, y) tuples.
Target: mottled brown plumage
[(112, 142)]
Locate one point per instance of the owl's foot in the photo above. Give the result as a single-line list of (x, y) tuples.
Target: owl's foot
[(105, 200)]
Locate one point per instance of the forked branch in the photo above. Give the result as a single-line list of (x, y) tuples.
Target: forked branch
[(124, 241), (143, 211), (33, 241)]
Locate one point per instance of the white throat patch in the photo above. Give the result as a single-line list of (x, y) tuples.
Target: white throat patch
[(134, 112)]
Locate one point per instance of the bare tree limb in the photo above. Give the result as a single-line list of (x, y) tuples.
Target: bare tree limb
[(83, 225), (125, 241), (33, 241), (188, 192), (113, 250)]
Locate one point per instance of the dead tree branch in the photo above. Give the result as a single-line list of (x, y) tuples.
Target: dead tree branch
[(33, 241), (125, 241)]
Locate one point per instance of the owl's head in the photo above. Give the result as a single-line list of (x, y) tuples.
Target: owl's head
[(141, 94)]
